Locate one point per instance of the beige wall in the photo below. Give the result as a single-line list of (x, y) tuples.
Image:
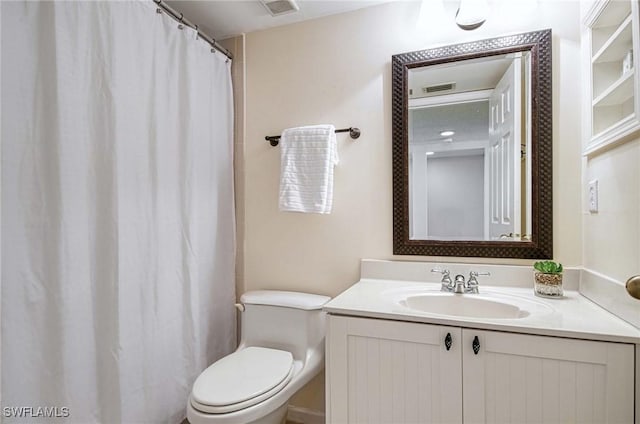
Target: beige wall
[(612, 236), (337, 70)]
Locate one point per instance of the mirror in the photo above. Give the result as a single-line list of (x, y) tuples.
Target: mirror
[(472, 149), (467, 124)]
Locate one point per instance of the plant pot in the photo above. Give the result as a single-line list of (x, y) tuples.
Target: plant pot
[(547, 285)]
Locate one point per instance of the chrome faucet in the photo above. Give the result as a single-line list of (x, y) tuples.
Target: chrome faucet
[(459, 285)]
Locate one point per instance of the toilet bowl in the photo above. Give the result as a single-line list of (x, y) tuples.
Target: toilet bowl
[(281, 349)]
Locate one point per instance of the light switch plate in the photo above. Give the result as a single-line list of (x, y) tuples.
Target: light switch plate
[(593, 196)]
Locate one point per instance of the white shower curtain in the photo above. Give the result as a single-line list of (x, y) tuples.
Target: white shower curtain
[(117, 211)]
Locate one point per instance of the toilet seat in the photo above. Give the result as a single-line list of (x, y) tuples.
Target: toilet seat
[(242, 379)]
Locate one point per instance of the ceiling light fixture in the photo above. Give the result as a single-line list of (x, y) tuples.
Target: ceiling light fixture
[(471, 14), (447, 133), (430, 153)]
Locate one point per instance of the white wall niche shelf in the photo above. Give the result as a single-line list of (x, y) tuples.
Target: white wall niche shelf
[(618, 92), (611, 29), (616, 45)]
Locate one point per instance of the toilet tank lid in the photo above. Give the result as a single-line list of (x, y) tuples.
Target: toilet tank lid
[(287, 299)]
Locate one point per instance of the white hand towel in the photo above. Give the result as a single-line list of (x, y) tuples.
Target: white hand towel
[(307, 157)]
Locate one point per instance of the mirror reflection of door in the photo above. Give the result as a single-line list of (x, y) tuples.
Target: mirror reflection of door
[(504, 159), (469, 175)]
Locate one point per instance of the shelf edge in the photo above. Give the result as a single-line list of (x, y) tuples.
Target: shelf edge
[(621, 132), (626, 22), (617, 83)]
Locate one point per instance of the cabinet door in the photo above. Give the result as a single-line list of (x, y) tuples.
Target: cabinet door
[(534, 379), (392, 372)]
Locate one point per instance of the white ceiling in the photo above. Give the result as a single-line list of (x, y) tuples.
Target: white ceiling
[(225, 18)]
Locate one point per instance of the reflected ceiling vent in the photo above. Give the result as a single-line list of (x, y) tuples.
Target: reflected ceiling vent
[(280, 7), (438, 88)]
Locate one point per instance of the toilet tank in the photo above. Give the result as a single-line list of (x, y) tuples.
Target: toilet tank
[(285, 320)]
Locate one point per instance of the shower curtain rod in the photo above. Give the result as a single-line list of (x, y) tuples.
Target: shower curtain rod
[(181, 19)]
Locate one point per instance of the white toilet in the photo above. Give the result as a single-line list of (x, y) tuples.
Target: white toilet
[(281, 349)]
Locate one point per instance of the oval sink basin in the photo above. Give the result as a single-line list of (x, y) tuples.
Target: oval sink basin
[(460, 305), (492, 304)]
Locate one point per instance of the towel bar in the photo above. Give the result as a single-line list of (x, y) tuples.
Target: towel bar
[(353, 133)]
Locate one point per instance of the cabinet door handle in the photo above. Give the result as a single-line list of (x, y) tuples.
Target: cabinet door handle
[(476, 345), (448, 341)]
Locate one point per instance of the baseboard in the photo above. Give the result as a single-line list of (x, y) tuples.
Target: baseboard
[(297, 414)]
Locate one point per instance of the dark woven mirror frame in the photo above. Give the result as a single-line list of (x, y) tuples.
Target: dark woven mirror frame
[(538, 43)]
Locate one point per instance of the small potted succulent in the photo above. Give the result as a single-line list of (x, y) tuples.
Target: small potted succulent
[(548, 279)]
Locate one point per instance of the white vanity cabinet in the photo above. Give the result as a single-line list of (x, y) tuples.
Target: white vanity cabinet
[(383, 371)]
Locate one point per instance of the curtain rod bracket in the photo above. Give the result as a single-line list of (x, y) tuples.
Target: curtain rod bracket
[(184, 22)]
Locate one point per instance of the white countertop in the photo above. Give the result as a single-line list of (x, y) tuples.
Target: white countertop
[(572, 316)]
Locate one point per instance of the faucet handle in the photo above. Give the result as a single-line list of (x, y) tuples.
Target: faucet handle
[(472, 284), (474, 274), (446, 278), (446, 275)]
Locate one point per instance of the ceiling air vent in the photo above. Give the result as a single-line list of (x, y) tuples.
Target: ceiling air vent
[(440, 87), (280, 7)]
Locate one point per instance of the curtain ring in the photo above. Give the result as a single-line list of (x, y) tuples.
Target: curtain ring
[(180, 24)]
